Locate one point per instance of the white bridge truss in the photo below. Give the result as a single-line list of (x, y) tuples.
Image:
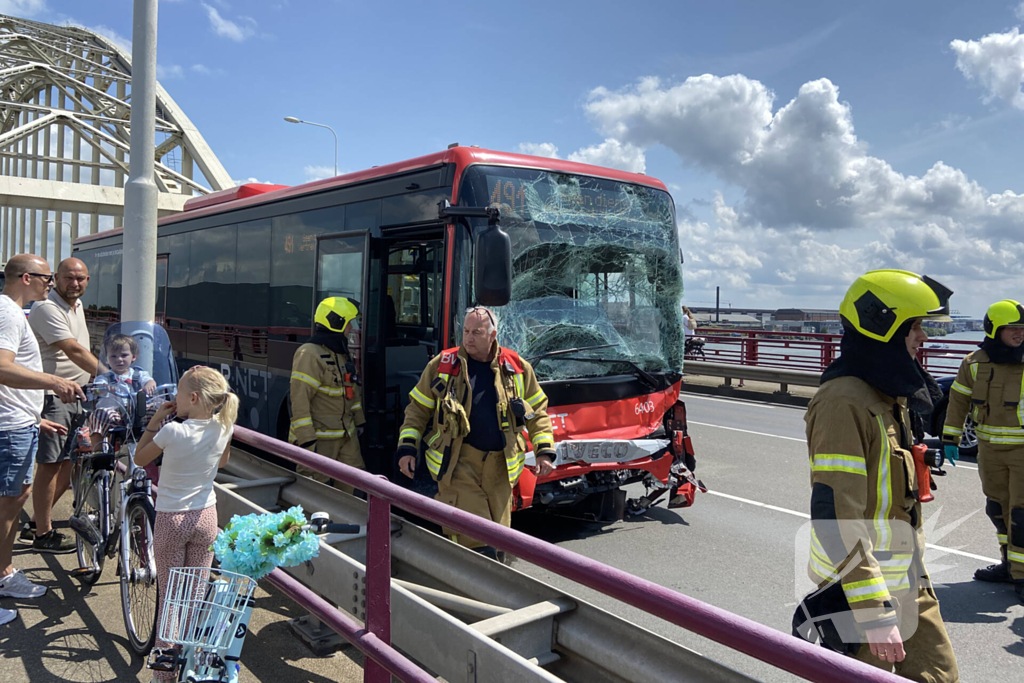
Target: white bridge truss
[(65, 106)]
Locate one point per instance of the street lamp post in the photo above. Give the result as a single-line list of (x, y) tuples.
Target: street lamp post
[(292, 119)]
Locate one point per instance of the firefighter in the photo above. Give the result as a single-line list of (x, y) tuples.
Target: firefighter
[(875, 600), (327, 412), (989, 388), (470, 409)]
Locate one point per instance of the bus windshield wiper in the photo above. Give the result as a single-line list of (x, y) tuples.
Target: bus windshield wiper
[(641, 374), (565, 351)]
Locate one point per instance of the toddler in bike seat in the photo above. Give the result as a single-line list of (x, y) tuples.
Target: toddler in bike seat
[(122, 351)]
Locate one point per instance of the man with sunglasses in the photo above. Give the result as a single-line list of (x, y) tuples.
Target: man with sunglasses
[(473, 408), (60, 328), (22, 383)]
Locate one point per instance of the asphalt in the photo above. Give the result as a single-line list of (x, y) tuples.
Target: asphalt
[(76, 633), (731, 551)]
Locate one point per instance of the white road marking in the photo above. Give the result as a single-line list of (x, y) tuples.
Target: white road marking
[(804, 515), (778, 436), (746, 431)]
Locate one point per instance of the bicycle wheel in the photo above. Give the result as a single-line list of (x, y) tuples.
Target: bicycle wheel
[(91, 513), (140, 602)]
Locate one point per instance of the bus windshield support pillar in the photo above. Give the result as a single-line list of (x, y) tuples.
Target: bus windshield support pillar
[(138, 277)]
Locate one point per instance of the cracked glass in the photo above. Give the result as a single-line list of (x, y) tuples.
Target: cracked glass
[(595, 262)]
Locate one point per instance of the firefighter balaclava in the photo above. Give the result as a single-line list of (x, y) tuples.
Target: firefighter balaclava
[(331, 322), (1005, 313), (877, 313)]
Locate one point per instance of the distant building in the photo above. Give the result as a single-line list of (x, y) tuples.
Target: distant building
[(725, 320), (807, 314)]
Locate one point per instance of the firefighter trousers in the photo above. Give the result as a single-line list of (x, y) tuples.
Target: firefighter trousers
[(930, 657), (1002, 482), (479, 485), (345, 450)]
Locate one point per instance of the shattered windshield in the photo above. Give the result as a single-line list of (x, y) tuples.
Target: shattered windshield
[(594, 262)]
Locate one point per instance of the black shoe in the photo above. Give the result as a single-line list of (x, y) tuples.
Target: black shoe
[(28, 532), (994, 573), (54, 542)]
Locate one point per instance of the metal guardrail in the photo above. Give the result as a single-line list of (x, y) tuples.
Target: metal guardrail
[(756, 640), (755, 373), (811, 352)]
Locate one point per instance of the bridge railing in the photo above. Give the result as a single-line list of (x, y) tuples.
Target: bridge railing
[(810, 351), (756, 640)]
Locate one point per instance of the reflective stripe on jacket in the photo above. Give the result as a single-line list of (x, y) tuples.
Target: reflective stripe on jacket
[(513, 378), (992, 394), (866, 522), (320, 396)]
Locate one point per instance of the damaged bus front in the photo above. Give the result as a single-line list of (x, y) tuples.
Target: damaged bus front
[(595, 306)]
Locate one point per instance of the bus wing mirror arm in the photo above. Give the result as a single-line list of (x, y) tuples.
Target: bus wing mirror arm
[(446, 210)]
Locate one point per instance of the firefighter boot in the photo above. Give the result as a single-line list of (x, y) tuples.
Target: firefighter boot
[(995, 573), (1018, 588)]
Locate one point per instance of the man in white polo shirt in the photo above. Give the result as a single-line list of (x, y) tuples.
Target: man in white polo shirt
[(59, 325), (22, 382)]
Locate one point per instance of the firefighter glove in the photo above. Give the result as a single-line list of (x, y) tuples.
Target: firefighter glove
[(952, 452)]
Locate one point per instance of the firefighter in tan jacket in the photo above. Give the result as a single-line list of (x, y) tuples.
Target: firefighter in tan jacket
[(874, 599), (327, 411), (990, 389), (471, 407)]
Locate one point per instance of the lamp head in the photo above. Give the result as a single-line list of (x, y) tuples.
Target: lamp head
[(292, 119)]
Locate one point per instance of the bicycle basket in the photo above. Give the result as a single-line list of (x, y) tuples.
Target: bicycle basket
[(203, 607)]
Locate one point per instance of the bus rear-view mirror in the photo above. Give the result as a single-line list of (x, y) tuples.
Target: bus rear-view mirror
[(492, 273)]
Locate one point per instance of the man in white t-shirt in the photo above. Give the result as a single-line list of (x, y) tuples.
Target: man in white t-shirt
[(22, 383)]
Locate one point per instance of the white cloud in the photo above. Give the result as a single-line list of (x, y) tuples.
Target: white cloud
[(539, 149), (1019, 12), (23, 9), (996, 62), (207, 71), (318, 172), (174, 71), (813, 208), (252, 179), (239, 31), (613, 154)]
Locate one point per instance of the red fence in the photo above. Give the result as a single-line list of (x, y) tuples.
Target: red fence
[(813, 352), (757, 640)]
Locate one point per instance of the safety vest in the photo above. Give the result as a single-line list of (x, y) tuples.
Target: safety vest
[(446, 423)]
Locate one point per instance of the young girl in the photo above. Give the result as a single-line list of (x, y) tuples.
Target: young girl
[(186, 509)]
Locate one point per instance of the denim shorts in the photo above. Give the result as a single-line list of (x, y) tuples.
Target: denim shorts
[(17, 456)]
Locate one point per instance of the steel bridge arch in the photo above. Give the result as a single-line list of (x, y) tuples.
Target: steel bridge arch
[(65, 109)]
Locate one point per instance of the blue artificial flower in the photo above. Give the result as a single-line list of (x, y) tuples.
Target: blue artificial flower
[(254, 545)]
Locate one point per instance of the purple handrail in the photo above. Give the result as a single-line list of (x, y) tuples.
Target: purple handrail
[(380, 654), (745, 635)]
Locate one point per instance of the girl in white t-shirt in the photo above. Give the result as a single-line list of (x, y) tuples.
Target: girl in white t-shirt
[(186, 507)]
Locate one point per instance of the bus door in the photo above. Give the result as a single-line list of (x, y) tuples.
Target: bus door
[(341, 272)]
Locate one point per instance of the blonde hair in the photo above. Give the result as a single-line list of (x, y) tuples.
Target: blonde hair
[(214, 394)]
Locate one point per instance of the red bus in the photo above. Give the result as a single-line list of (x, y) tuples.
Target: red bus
[(593, 299)]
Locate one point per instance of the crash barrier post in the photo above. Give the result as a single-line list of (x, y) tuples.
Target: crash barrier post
[(778, 649), (811, 351)]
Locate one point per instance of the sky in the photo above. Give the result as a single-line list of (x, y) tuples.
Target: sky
[(803, 142)]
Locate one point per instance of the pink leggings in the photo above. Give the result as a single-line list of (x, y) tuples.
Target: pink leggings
[(181, 539)]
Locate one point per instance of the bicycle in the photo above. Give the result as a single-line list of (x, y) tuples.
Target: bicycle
[(206, 614), (114, 513)]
